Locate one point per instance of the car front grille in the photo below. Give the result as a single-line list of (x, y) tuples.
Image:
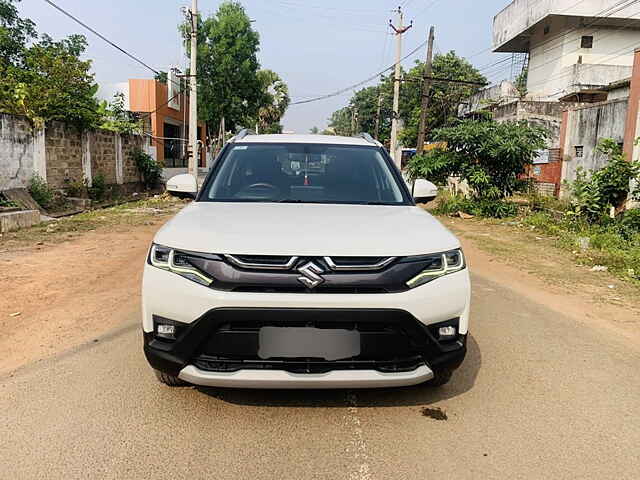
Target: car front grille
[(308, 275), (385, 347)]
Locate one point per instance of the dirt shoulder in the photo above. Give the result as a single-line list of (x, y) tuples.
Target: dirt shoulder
[(72, 280), (534, 266)]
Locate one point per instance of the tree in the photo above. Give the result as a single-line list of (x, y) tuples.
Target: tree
[(227, 74), (490, 156), (15, 32), (161, 77), (444, 96), (116, 118), (274, 102), (53, 83), (444, 99), (314, 131), (46, 80), (340, 122)]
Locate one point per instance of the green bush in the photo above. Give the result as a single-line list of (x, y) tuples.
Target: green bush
[(448, 204), (494, 208), (491, 157), (630, 221), (482, 207), (98, 187), (149, 169), (41, 192), (547, 203), (594, 194), (75, 188), (4, 203)]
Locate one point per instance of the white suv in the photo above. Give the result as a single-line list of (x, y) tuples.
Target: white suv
[(304, 263)]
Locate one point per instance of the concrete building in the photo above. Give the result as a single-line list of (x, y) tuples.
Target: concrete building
[(575, 48), (580, 80), (166, 111), (169, 115)]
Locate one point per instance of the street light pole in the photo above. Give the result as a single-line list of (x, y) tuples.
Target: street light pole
[(193, 93)]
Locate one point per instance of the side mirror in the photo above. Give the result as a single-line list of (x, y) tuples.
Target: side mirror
[(424, 191), (183, 186)]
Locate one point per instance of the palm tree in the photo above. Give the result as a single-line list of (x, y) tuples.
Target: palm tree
[(275, 102)]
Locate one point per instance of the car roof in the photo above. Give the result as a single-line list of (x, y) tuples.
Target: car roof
[(308, 138)]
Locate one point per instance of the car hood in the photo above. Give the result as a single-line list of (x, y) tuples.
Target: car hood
[(305, 230)]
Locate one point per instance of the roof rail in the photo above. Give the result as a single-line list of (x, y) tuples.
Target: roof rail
[(368, 138), (241, 134)]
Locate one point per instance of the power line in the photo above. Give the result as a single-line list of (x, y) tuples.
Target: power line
[(629, 48), (120, 49), (448, 80), (625, 25), (581, 27), (98, 34), (487, 49), (384, 50), (620, 5), (356, 85), (428, 7)]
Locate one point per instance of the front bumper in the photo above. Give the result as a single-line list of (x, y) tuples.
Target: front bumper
[(385, 361), (222, 349)]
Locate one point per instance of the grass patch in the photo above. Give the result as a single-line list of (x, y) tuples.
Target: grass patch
[(141, 212), (613, 243), (608, 244)]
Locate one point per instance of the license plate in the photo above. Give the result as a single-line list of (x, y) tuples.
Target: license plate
[(308, 342)]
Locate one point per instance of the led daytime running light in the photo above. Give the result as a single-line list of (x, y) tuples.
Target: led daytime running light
[(428, 275), (180, 270)]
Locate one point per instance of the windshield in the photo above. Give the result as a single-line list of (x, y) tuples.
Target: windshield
[(304, 174)]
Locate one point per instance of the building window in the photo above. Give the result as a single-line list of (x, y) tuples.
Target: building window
[(587, 41), (547, 29), (579, 150)]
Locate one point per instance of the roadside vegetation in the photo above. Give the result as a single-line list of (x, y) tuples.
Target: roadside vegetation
[(362, 111), (55, 201), (592, 223), (119, 217)]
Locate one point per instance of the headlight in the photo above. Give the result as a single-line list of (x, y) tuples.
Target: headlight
[(439, 265), (177, 262)]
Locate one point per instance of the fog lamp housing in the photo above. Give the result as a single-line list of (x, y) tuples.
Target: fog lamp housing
[(166, 331), (447, 333)]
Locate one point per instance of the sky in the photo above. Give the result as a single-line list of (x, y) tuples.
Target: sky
[(316, 46)]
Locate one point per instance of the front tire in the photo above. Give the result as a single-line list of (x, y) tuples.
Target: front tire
[(440, 378), (169, 380)]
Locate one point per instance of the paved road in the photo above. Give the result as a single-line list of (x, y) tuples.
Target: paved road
[(538, 397)]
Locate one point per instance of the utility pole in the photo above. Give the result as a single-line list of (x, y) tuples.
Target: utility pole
[(426, 87), (377, 133), (193, 93), (400, 30), (354, 120)]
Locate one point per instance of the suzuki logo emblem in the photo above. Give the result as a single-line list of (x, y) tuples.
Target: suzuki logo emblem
[(310, 275)]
